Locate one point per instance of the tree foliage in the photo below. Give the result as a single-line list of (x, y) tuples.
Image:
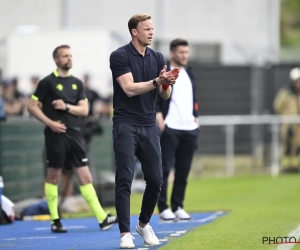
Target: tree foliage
[(290, 23)]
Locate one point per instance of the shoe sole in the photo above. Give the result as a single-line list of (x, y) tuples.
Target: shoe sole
[(59, 232), (187, 219), (136, 229), (127, 247), (168, 219), (108, 227)]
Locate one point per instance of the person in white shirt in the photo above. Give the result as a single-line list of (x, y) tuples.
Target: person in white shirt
[(178, 122)]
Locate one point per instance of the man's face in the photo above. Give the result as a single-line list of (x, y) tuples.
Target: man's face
[(297, 85), (180, 55), (144, 32), (64, 59)]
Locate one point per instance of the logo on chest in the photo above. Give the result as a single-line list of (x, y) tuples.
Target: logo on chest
[(59, 87), (74, 86)]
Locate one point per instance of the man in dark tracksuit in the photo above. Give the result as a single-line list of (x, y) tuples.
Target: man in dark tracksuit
[(178, 122)]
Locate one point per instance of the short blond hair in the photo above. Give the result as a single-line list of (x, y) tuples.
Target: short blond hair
[(135, 20)]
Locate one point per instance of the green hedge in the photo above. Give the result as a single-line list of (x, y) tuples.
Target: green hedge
[(21, 166)]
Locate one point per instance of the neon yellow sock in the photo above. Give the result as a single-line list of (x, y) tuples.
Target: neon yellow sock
[(51, 194), (89, 194)]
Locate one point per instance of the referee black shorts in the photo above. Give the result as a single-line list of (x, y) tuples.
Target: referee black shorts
[(65, 150), (67, 170)]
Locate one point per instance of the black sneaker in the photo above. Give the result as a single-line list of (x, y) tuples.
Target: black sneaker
[(57, 227), (110, 221)]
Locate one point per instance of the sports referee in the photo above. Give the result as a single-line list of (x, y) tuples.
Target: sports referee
[(139, 74), (63, 104)]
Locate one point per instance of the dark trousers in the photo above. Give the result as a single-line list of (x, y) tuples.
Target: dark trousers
[(178, 147), (143, 142)]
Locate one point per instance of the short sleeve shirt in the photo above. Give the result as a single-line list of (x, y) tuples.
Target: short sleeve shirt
[(69, 89), (137, 110)]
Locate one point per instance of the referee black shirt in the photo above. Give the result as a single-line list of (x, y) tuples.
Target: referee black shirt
[(137, 110), (69, 89)]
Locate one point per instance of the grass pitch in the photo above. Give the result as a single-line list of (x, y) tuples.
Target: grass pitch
[(259, 206)]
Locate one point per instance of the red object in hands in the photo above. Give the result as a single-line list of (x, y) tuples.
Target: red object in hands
[(165, 87), (173, 72), (196, 106)]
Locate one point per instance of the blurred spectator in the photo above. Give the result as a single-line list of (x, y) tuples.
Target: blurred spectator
[(2, 105), (34, 82), (17, 93), (99, 106), (91, 124), (287, 102), (13, 99)]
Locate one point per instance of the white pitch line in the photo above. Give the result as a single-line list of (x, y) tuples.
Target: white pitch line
[(161, 232), (38, 237), (208, 218), (165, 232), (32, 238), (294, 233), (181, 232), (174, 235), (163, 240), (67, 227), (205, 219)]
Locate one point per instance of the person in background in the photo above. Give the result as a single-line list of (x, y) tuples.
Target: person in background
[(178, 123), (91, 123), (17, 93), (90, 126), (13, 99), (34, 81), (2, 104), (67, 184), (63, 105), (287, 102)]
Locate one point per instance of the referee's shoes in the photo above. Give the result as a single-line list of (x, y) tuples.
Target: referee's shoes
[(57, 227), (110, 221)]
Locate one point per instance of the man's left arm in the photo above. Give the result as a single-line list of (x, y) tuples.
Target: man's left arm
[(81, 109), (195, 102)]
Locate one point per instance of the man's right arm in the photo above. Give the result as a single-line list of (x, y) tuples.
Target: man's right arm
[(120, 68), (35, 110), (131, 88)]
